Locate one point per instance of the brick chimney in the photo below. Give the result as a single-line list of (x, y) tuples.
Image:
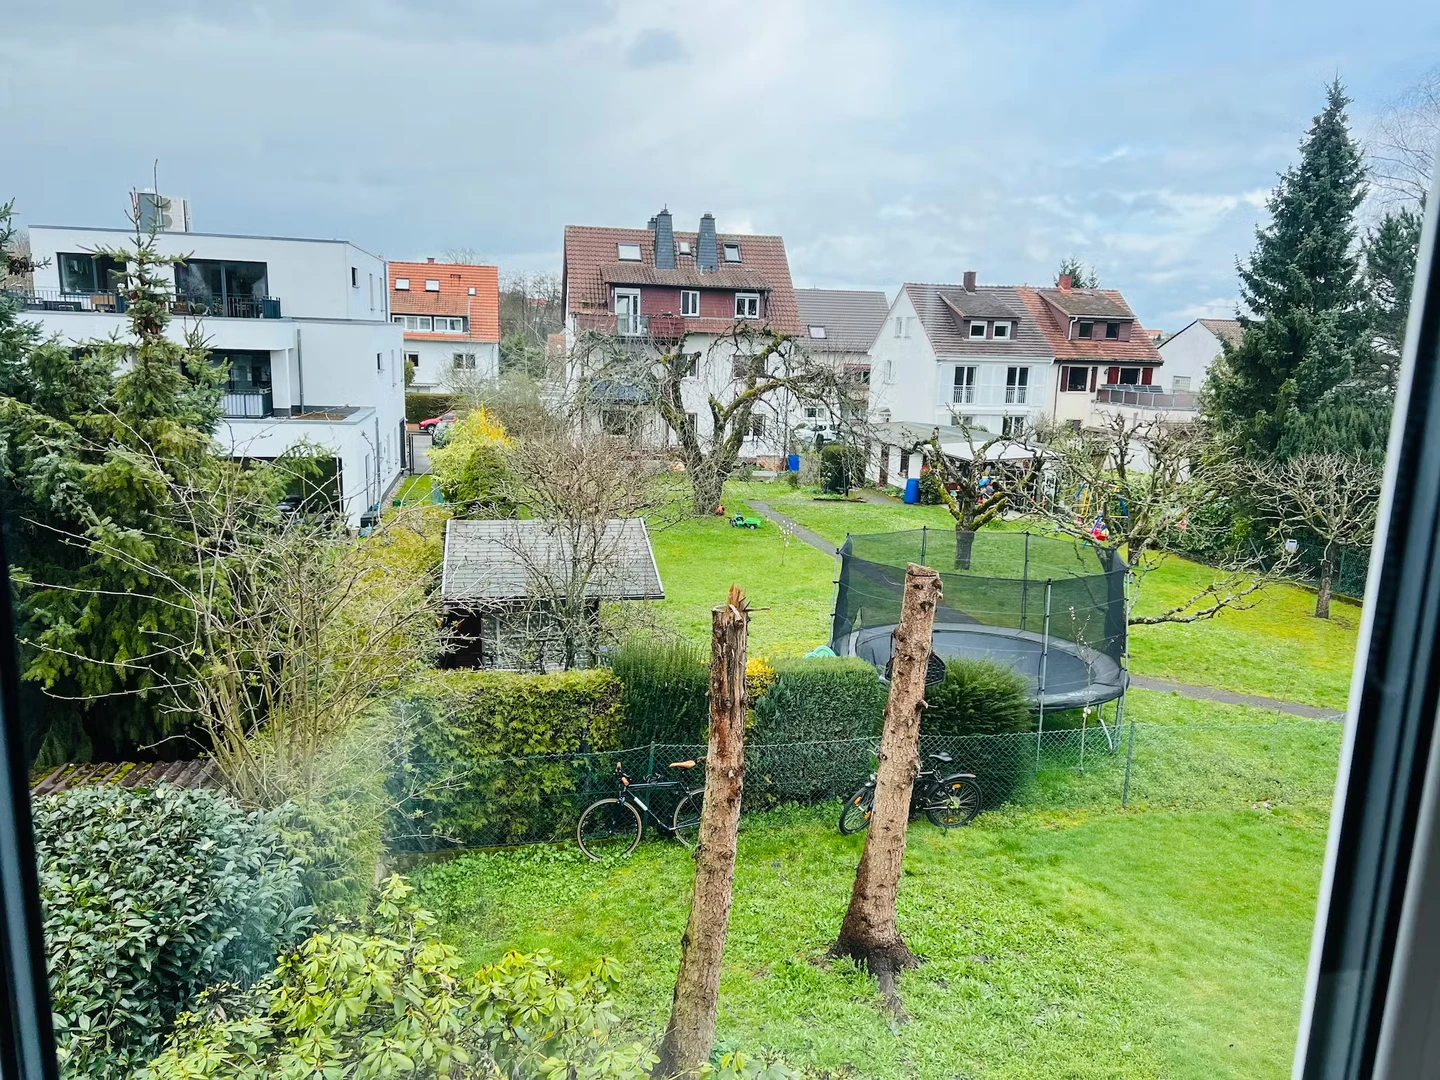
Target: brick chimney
[(969, 280), (1065, 282), (707, 249), (664, 241), (430, 259)]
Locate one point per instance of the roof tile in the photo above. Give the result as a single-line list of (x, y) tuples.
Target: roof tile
[(453, 298)]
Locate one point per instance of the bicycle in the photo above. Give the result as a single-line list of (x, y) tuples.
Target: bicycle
[(948, 801), (612, 828)]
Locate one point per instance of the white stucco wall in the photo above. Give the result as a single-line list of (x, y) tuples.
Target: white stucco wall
[(432, 371), (902, 369), (1189, 354)]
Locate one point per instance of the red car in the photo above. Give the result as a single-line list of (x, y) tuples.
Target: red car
[(445, 417)]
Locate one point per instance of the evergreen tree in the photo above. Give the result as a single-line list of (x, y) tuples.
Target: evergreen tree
[(1390, 254), (1306, 331), (88, 437), (1081, 276)]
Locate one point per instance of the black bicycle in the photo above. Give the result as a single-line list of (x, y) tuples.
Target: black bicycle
[(948, 801), (611, 828)]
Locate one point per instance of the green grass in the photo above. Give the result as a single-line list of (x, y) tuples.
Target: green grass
[(416, 489)]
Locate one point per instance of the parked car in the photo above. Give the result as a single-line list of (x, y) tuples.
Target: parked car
[(434, 421)]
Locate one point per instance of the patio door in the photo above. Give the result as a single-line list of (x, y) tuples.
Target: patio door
[(627, 311)]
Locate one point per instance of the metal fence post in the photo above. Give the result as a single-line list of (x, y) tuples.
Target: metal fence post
[(1025, 580), (650, 768), (1044, 663), (1129, 757), (924, 536)]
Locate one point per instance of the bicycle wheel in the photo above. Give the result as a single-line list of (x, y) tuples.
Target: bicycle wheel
[(686, 822), (855, 814), (953, 802), (609, 828)]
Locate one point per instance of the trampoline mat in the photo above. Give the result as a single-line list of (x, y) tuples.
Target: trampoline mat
[(1072, 678)]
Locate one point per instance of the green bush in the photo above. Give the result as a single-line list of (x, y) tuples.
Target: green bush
[(932, 489), (666, 692), (149, 896), (423, 406), (459, 789), (977, 697)]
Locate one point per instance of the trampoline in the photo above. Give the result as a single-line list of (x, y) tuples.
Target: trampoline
[(1051, 609)]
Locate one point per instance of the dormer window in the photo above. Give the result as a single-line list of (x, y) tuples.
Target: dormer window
[(817, 331), (1001, 332), (682, 247), (732, 253), (402, 284), (1084, 329), (1112, 331), (627, 252), (977, 328)]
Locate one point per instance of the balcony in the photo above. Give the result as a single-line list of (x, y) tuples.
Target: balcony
[(113, 303), (963, 395), (1147, 397), (653, 327), (248, 404)]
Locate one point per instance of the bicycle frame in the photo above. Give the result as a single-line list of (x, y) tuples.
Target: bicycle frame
[(629, 793)]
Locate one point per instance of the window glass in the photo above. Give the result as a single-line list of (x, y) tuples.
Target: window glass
[(690, 302), (1002, 330), (628, 252), (732, 253), (817, 331), (1112, 330), (977, 328), (402, 283), (1077, 378), (1084, 329)]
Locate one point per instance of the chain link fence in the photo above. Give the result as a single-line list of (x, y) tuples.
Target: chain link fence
[(512, 801)]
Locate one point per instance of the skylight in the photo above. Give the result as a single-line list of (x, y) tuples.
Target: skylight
[(732, 252), (627, 252), (817, 331)]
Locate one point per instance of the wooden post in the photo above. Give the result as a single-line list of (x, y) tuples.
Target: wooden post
[(869, 933), (690, 1036)]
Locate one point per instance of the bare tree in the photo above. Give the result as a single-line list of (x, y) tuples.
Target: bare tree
[(978, 487), (1404, 141), (690, 1035), (1130, 486), (754, 377), (869, 933), (1335, 496)]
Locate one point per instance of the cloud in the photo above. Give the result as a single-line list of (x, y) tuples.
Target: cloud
[(655, 47)]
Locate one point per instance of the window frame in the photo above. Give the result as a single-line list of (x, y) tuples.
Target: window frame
[(1085, 329), (814, 327), (686, 294), (997, 326), (1112, 331), (1017, 385), (93, 260), (726, 248), (622, 256), (965, 383), (402, 284), (1083, 388), (750, 299), (983, 325)]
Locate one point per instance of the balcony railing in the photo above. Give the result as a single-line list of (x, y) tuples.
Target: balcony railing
[(1144, 397), (248, 404), (230, 307), (655, 327), (1015, 395), (963, 395)]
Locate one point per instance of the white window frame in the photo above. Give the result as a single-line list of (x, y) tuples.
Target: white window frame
[(622, 252), (690, 298), (963, 392), (899, 326), (982, 326), (1017, 385), (432, 284), (402, 284), (1065, 379), (448, 328), (817, 332), (634, 324), (1180, 383), (462, 361), (726, 249), (1001, 325), (413, 322), (747, 305)]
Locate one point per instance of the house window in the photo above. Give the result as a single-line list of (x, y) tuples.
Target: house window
[(977, 328), (402, 284), (1076, 379), (690, 302), (413, 359), (966, 421), (1017, 385), (899, 326), (432, 285), (1001, 332), (379, 361), (694, 365), (354, 277), (682, 247), (628, 319), (1012, 427), (1129, 376), (757, 426), (742, 366), (964, 393), (1180, 382), (1112, 331), (1084, 329), (463, 361), (449, 324), (413, 322), (82, 272), (812, 412), (249, 370), (627, 252), (747, 305), (732, 253), (231, 288), (817, 331)]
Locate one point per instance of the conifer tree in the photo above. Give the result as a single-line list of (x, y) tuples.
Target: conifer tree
[(1390, 254)]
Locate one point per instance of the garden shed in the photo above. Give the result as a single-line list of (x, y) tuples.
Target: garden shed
[(520, 593)]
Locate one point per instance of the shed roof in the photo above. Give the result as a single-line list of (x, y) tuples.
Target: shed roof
[(130, 774), (496, 560)]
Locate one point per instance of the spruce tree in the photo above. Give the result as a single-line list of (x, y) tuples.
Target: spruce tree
[(1306, 327), (1390, 254)]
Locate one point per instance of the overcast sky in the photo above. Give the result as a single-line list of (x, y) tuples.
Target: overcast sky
[(885, 142)]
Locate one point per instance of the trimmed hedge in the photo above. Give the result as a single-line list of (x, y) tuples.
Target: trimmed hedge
[(977, 697), (420, 406), (666, 693)]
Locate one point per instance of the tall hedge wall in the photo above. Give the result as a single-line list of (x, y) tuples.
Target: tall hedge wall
[(420, 406)]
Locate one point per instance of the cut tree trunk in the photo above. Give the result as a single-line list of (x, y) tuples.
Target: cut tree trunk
[(869, 933), (964, 544), (1322, 594), (690, 1036)]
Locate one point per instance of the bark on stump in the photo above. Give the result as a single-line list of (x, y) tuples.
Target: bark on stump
[(690, 1036), (869, 933)]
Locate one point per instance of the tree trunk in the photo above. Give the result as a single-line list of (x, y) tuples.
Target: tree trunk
[(707, 487), (869, 933), (964, 543), (690, 1036), (1327, 575)]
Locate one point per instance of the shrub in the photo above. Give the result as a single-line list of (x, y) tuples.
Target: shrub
[(471, 468), (977, 697), (149, 896), (932, 489), (423, 406), (666, 691)]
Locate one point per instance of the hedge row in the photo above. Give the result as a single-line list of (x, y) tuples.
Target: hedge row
[(420, 406)]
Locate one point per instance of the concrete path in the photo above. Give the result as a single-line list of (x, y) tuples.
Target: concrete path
[(1144, 682)]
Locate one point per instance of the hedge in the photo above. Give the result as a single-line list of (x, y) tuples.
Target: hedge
[(420, 406), (666, 693)]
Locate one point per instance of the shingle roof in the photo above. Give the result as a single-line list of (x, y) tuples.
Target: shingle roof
[(590, 249), (851, 317), (130, 774), (1098, 303), (456, 280), (493, 560), (1140, 348), (943, 326), (1227, 330), (727, 277)]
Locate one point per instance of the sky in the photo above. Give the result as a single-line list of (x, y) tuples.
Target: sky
[(887, 142)]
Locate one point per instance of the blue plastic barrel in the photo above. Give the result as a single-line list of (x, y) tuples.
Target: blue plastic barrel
[(912, 490), (792, 462)]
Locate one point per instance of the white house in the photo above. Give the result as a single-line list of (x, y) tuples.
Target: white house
[(305, 325), (1189, 353), (840, 325), (450, 315)]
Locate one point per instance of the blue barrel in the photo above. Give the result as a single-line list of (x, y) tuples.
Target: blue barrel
[(792, 462), (912, 490)]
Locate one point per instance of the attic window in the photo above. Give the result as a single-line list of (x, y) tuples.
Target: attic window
[(403, 284), (1084, 329), (817, 331), (732, 253), (682, 247), (627, 252), (977, 328), (1112, 330), (432, 284), (1002, 331)]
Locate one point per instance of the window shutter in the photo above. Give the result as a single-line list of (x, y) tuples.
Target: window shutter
[(1094, 377), (1112, 375), (1145, 374)]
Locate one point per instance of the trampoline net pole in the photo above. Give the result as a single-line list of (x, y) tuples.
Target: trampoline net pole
[(1025, 580), (1044, 664)]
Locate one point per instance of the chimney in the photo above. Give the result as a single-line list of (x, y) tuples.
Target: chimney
[(1065, 282), (430, 259), (969, 280), (707, 250), (650, 224), (664, 241)]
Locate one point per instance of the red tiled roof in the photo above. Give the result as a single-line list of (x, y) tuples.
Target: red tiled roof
[(1140, 348), (1228, 330), (456, 280), (590, 254)]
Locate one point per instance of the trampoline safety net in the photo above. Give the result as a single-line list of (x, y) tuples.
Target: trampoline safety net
[(1050, 608)]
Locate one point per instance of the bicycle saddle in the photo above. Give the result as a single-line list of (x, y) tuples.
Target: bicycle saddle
[(941, 757), (682, 764)]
